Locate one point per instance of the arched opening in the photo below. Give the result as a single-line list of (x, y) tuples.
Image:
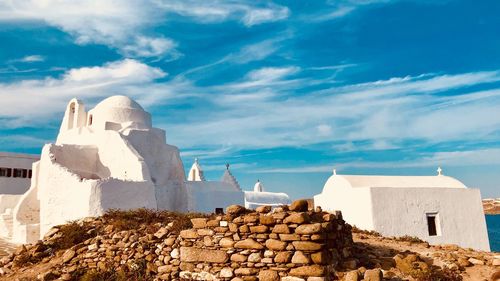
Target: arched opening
[(90, 120), (71, 117)]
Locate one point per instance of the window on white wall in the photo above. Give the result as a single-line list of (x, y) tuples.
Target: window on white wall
[(433, 226), (5, 172), (18, 173)]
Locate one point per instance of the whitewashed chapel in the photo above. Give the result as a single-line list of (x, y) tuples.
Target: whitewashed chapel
[(110, 157), (438, 209)]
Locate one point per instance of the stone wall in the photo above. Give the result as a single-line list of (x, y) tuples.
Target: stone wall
[(288, 245)]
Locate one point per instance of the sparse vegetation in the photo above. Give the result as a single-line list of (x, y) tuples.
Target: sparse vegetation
[(412, 239), (140, 218), (355, 229)]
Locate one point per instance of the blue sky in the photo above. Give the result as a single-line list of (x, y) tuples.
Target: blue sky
[(284, 91)]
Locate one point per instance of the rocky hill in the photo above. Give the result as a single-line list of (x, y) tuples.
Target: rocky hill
[(287, 244), (491, 206)]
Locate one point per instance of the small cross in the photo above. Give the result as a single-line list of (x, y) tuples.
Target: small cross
[(227, 166), (440, 171)]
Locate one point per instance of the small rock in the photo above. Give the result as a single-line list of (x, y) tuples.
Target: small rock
[(268, 275), (263, 209), (300, 258), (68, 255), (226, 272), (351, 276), (476, 261), (235, 210), (373, 275)]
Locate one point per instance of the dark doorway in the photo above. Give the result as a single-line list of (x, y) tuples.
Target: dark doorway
[(431, 224)]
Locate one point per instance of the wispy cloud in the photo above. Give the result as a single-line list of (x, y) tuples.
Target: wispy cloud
[(45, 97), (339, 9), (29, 59), (126, 25)]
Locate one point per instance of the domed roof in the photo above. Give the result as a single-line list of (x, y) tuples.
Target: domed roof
[(119, 102), (258, 187)]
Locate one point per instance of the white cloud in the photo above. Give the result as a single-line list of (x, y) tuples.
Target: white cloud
[(262, 113), (28, 101), (32, 58), (124, 25), (258, 16), (248, 12)]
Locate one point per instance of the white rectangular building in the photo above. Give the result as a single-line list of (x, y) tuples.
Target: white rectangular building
[(437, 209)]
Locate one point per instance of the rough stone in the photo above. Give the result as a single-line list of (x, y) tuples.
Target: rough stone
[(226, 272), (306, 246), (300, 258), (373, 275), (263, 209), (254, 257), (290, 237), (235, 210), (283, 257), (275, 245), (249, 243), (352, 276), (238, 258), (281, 228), (190, 254), (308, 229), (258, 229), (199, 222), (226, 242), (268, 275), (161, 233), (68, 255), (308, 270), (299, 206), (298, 218), (189, 234), (476, 261), (267, 220)]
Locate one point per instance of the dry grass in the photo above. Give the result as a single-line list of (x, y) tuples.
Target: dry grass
[(412, 239), (355, 229), (150, 220), (72, 234)]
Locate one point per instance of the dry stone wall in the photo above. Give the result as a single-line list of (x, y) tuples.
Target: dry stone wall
[(288, 243), (263, 245)]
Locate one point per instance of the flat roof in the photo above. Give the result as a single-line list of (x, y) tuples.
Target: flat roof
[(19, 155)]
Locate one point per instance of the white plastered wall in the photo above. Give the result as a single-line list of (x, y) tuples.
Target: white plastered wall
[(355, 203), (11, 185), (255, 199), (205, 196), (399, 212)]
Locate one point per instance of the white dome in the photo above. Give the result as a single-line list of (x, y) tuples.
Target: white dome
[(119, 109), (258, 187), (119, 102)]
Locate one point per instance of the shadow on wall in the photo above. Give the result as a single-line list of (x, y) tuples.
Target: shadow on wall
[(81, 160)]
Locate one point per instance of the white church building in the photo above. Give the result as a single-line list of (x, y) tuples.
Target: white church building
[(109, 157), (438, 209)]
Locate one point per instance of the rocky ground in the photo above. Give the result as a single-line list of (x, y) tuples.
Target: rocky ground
[(135, 242), (491, 206), (407, 258)]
